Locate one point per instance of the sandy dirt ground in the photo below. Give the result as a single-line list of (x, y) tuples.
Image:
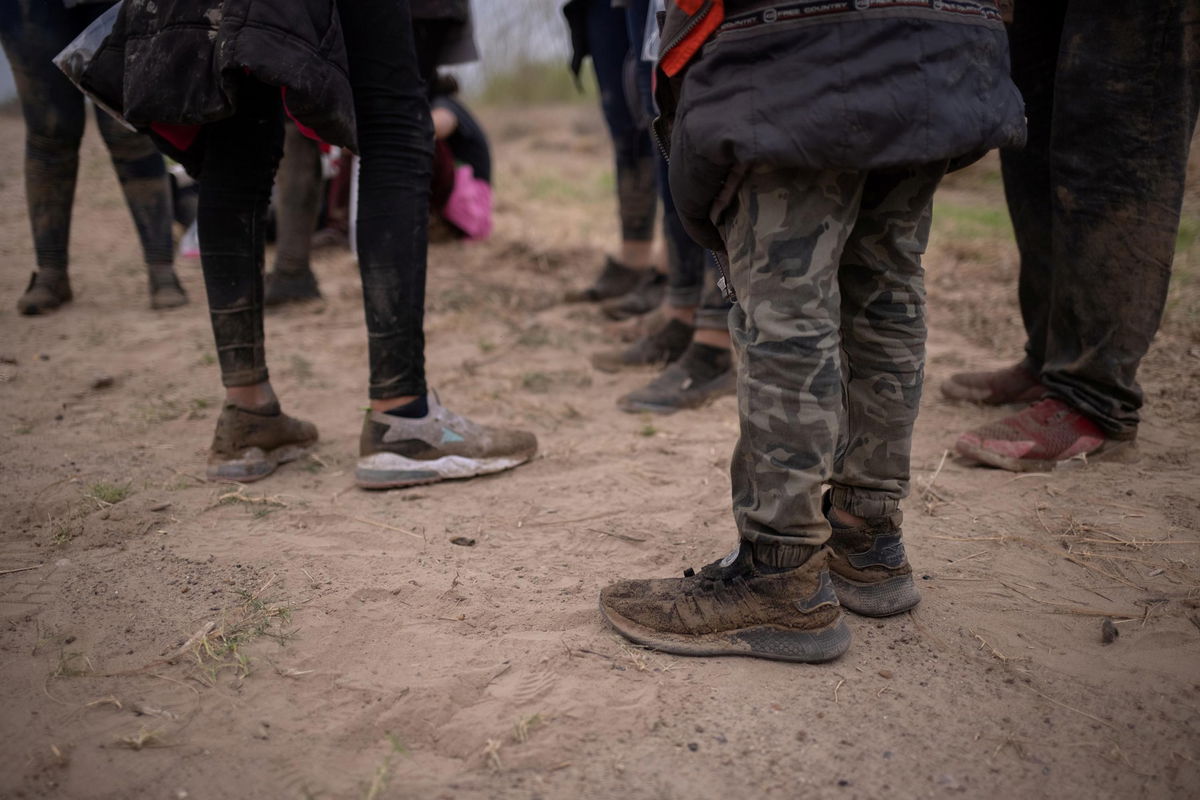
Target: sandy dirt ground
[(163, 637)]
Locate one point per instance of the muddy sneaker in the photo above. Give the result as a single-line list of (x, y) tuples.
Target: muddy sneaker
[(399, 451), (48, 289), (657, 348), (1039, 437), (644, 298), (249, 445), (165, 289), (701, 375), (614, 280), (996, 388), (870, 571), (281, 289), (734, 607)]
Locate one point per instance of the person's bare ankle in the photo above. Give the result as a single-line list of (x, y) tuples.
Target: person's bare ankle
[(712, 337), (846, 518), (686, 315)]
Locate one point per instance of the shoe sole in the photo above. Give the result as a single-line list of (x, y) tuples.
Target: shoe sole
[(759, 641), (883, 599), (1117, 451), (392, 471), (254, 463), (707, 396)]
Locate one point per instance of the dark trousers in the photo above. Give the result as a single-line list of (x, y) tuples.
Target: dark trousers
[(33, 32), (395, 140), (1112, 92), (628, 125)]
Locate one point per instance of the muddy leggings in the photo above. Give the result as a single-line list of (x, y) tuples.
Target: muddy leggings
[(608, 42), (395, 142), (33, 32)]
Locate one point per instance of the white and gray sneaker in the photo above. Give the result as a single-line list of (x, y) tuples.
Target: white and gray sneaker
[(400, 451)]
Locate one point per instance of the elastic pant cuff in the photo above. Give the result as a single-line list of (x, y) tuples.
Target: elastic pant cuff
[(875, 507), (781, 556), (244, 377), (711, 319), (388, 391)]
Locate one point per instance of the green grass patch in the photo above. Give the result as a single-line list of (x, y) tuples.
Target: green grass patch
[(109, 493), (538, 83)]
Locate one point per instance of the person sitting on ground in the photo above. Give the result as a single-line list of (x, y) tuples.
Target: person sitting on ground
[(462, 180), (807, 149), (33, 33), (1095, 200), (349, 72)]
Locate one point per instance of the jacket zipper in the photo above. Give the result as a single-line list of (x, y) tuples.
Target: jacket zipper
[(687, 29)]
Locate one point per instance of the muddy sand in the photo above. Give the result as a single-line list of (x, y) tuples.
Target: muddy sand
[(164, 637)]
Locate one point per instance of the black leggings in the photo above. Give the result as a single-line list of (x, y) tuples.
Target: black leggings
[(33, 33), (395, 142)]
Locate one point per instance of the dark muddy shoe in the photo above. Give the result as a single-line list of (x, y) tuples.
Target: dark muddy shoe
[(701, 375), (48, 289), (398, 451), (1040, 437), (869, 568), (644, 298), (656, 349), (614, 280), (995, 388), (249, 445), (734, 607), (165, 289), (282, 289)]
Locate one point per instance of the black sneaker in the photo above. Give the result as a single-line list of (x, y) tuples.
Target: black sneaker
[(734, 607), (642, 299), (165, 289), (870, 570), (614, 280), (701, 375), (656, 349), (48, 289), (281, 288)]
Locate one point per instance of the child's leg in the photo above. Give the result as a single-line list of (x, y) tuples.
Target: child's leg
[(883, 337), (785, 238)]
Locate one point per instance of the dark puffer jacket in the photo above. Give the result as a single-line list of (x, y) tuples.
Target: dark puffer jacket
[(180, 62), (828, 84)]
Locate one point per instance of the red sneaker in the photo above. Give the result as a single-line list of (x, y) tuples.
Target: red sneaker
[(995, 388), (1039, 437)]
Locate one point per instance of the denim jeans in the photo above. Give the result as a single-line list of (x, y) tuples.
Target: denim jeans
[(33, 32), (395, 140), (1111, 93)]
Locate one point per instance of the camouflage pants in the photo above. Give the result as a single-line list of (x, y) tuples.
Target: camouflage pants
[(829, 331)]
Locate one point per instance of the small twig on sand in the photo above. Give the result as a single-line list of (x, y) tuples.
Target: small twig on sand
[(1070, 708), (928, 490), (835, 689), (964, 558), (386, 527), (623, 537), (20, 569), (984, 643)]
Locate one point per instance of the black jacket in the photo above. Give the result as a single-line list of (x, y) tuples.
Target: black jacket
[(179, 62), (831, 84)]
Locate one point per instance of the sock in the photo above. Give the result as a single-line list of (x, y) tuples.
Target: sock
[(414, 409), (269, 410)]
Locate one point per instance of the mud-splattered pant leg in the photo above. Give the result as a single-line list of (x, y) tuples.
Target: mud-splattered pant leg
[(637, 199), (883, 330), (787, 234), (1112, 95), (33, 33), (297, 202), (240, 157)]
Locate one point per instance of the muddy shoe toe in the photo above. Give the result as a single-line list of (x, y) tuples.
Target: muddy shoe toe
[(48, 289), (249, 445)]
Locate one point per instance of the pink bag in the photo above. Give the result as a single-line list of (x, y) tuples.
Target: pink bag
[(470, 205)]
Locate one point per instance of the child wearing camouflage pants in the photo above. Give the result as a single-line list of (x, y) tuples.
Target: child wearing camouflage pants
[(819, 189)]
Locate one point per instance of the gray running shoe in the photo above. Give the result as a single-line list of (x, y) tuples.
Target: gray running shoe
[(398, 451), (248, 445), (701, 375), (655, 349), (734, 607), (48, 289), (870, 570)]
